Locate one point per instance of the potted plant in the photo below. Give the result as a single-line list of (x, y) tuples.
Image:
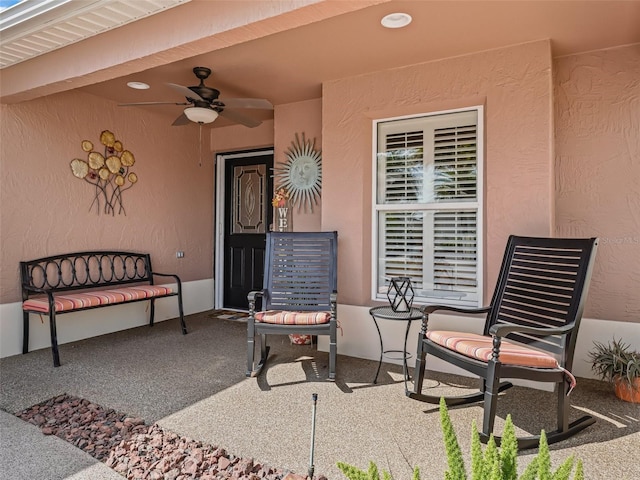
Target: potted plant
[(617, 363)]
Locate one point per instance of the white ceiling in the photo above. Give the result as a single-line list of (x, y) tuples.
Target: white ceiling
[(35, 27)]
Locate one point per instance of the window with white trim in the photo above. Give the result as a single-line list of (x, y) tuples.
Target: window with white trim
[(428, 206)]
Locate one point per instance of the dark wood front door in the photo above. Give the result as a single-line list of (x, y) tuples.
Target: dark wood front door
[(248, 215)]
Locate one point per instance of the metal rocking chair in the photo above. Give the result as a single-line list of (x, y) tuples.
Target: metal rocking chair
[(299, 294), (530, 330)]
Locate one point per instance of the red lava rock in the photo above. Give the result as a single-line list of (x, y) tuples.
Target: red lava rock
[(172, 475), (190, 466), (246, 466), (223, 463), (198, 455), (136, 473), (140, 451), (164, 466)]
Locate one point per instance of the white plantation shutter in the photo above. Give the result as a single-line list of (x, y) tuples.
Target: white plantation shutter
[(428, 208), (403, 168), (455, 163), (455, 251), (403, 241)]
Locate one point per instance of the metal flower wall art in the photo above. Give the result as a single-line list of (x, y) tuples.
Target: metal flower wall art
[(108, 171), (301, 173)]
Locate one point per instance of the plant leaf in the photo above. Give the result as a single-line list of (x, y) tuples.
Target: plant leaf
[(531, 472), (544, 458), (564, 470), (509, 451), (351, 472), (477, 462), (454, 454), (579, 471)]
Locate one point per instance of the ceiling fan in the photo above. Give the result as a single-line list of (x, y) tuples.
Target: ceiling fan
[(204, 106)]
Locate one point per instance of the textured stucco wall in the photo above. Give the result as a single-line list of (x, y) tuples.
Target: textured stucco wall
[(237, 137), (514, 84), (300, 117), (44, 209), (597, 123)]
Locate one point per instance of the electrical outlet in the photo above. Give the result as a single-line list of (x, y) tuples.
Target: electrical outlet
[(179, 254)]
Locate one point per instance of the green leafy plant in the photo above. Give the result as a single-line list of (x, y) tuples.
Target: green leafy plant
[(354, 473), (488, 464), (615, 360)]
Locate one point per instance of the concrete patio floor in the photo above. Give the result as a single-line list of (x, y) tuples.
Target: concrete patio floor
[(195, 386)]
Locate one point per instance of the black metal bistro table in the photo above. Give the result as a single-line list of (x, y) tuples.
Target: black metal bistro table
[(387, 313)]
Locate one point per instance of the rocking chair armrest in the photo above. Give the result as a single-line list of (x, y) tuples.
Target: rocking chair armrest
[(333, 297), (503, 330), (427, 309), (251, 296)]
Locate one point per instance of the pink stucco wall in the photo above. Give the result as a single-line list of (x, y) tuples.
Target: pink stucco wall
[(597, 124), (237, 137), (300, 117), (587, 186), (45, 209), (514, 85)]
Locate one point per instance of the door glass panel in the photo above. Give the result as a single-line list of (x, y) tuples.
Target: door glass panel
[(249, 209)]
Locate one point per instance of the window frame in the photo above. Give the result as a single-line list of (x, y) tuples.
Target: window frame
[(433, 206)]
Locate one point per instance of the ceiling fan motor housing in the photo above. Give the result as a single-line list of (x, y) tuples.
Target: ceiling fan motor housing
[(202, 72), (206, 93)]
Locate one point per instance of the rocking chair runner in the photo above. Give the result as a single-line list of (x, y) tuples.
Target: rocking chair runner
[(530, 330), (299, 294)]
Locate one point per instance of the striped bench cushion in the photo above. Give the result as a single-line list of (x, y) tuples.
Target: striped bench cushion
[(75, 301), (293, 318), (479, 347)]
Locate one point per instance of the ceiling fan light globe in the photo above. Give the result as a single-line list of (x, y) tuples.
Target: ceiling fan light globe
[(200, 114)]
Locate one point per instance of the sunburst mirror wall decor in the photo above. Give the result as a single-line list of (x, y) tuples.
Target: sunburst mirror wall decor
[(301, 173)]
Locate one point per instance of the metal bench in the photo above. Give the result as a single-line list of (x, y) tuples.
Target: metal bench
[(74, 282)]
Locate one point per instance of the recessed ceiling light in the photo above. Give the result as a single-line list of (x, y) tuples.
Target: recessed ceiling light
[(138, 85), (396, 20)]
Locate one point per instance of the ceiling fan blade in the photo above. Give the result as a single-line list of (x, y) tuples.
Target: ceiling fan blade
[(181, 120), (247, 103), (152, 103), (186, 91), (240, 118)]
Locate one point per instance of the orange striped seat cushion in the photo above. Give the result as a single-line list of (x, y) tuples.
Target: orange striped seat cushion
[(479, 347), (293, 318), (74, 301)]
